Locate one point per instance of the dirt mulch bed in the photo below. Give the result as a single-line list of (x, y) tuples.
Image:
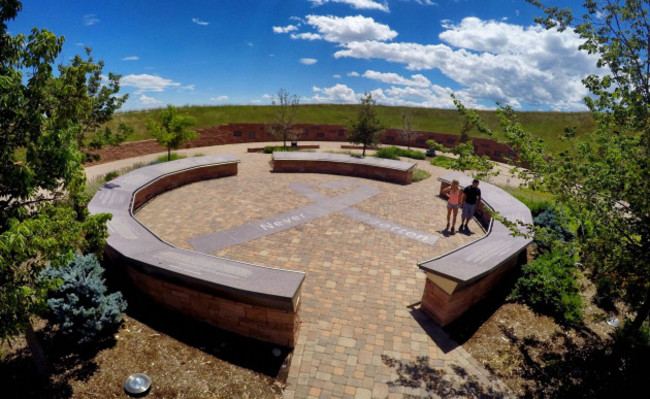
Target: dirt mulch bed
[(537, 358), (177, 369)]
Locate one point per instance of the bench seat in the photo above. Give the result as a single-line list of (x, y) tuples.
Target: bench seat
[(460, 278), (342, 164), (251, 300)]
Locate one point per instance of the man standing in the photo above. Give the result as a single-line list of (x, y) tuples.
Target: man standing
[(471, 197)]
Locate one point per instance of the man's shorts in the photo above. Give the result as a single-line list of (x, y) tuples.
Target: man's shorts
[(468, 210)]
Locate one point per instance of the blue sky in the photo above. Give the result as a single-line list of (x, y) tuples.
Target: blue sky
[(404, 52)]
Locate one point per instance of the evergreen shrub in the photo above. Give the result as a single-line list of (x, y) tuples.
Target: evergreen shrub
[(80, 305), (548, 285), (551, 220)]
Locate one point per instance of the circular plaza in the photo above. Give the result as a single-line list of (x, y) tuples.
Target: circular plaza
[(361, 325)]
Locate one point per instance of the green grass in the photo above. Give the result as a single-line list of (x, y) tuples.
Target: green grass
[(533, 199), (173, 157), (546, 125), (440, 160), (419, 175)]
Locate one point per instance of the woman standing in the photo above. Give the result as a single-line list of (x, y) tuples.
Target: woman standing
[(453, 193)]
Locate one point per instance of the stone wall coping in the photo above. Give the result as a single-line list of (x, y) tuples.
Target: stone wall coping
[(471, 262), (343, 158), (244, 282)]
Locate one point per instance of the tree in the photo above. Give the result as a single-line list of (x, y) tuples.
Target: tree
[(406, 131), (85, 98), (603, 183), (366, 128), (480, 165), (168, 128), (465, 129), (43, 219), (284, 118)]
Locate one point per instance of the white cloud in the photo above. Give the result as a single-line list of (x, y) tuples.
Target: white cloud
[(336, 94), (357, 4), (256, 101), (187, 88), (250, 44), (308, 61), (307, 36), (145, 82), (267, 96), (496, 61), (353, 73), (345, 29), (393, 78), (337, 76), (284, 29), (199, 22), (148, 102), (131, 58), (90, 19), (220, 98)]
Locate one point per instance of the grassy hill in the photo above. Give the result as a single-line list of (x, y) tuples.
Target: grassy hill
[(546, 125)]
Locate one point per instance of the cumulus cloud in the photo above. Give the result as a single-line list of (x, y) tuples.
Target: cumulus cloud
[(339, 93), (148, 102), (336, 76), (145, 82), (393, 78), (353, 73), (496, 61), (90, 19), (308, 61), (199, 22), (357, 4), (131, 58), (345, 29), (284, 29)]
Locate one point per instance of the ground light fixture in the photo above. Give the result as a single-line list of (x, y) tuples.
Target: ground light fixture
[(137, 385)]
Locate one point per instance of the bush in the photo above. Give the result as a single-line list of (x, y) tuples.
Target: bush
[(413, 154), (548, 285), (396, 152), (387, 153), (80, 305), (270, 149), (111, 175)]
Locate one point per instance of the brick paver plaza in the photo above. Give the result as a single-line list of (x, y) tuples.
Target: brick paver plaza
[(362, 334)]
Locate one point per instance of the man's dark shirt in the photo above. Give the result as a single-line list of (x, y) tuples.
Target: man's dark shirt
[(471, 194)]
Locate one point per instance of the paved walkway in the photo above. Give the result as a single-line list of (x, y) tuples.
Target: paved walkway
[(362, 334)]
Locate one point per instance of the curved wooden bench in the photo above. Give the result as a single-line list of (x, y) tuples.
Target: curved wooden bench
[(341, 164), (250, 300), (460, 278)]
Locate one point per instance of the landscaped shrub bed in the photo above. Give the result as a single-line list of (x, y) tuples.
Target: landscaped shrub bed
[(396, 152)]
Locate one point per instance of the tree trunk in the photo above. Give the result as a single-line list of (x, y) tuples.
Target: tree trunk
[(363, 154), (169, 154), (38, 354)]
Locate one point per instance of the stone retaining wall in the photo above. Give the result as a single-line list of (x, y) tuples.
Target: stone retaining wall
[(235, 133)]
